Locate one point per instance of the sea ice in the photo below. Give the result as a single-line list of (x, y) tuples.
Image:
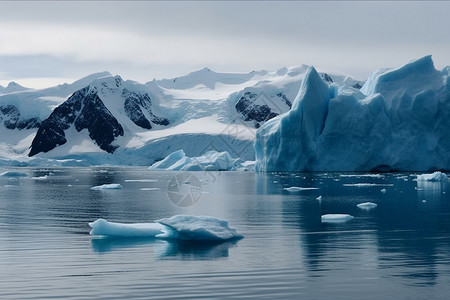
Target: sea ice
[(45, 177), (150, 189), (182, 227), (112, 186), (294, 189), (336, 218), (367, 184), (367, 205), (141, 180)]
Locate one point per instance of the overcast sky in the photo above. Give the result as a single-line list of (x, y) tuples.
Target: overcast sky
[(45, 43)]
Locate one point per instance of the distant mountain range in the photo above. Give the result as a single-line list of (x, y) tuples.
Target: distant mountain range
[(102, 119)]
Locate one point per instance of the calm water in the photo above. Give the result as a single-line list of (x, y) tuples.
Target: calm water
[(400, 250)]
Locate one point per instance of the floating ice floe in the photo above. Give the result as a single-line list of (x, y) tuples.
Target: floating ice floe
[(141, 180), (294, 189), (367, 205), (336, 218), (434, 177), (179, 227), (367, 184), (362, 175), (150, 189), (111, 186), (45, 177), (13, 174)]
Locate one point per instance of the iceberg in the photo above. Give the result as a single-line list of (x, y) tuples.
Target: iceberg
[(210, 161), (179, 227), (336, 218), (397, 121), (434, 177), (367, 205), (111, 186)]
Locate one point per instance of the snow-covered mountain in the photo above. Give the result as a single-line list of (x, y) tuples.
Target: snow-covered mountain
[(11, 88), (102, 119), (399, 120)]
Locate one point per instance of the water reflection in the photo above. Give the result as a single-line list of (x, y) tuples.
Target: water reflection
[(403, 237), (176, 250)]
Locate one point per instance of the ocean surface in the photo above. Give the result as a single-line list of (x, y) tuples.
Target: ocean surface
[(399, 250)]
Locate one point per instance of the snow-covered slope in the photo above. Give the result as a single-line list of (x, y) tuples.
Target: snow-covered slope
[(399, 120), (11, 88)]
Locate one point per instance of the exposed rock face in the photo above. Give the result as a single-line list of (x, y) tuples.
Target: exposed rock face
[(11, 118), (138, 108), (83, 110), (260, 108)]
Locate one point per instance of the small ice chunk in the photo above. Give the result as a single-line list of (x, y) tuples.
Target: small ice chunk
[(336, 218), (141, 180), (383, 191), (13, 174), (434, 177), (112, 186), (367, 184), (367, 205), (363, 175), (294, 189), (45, 177)]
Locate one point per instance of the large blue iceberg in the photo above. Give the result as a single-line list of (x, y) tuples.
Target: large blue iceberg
[(399, 120)]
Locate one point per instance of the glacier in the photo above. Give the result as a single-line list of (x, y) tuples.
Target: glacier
[(399, 120)]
